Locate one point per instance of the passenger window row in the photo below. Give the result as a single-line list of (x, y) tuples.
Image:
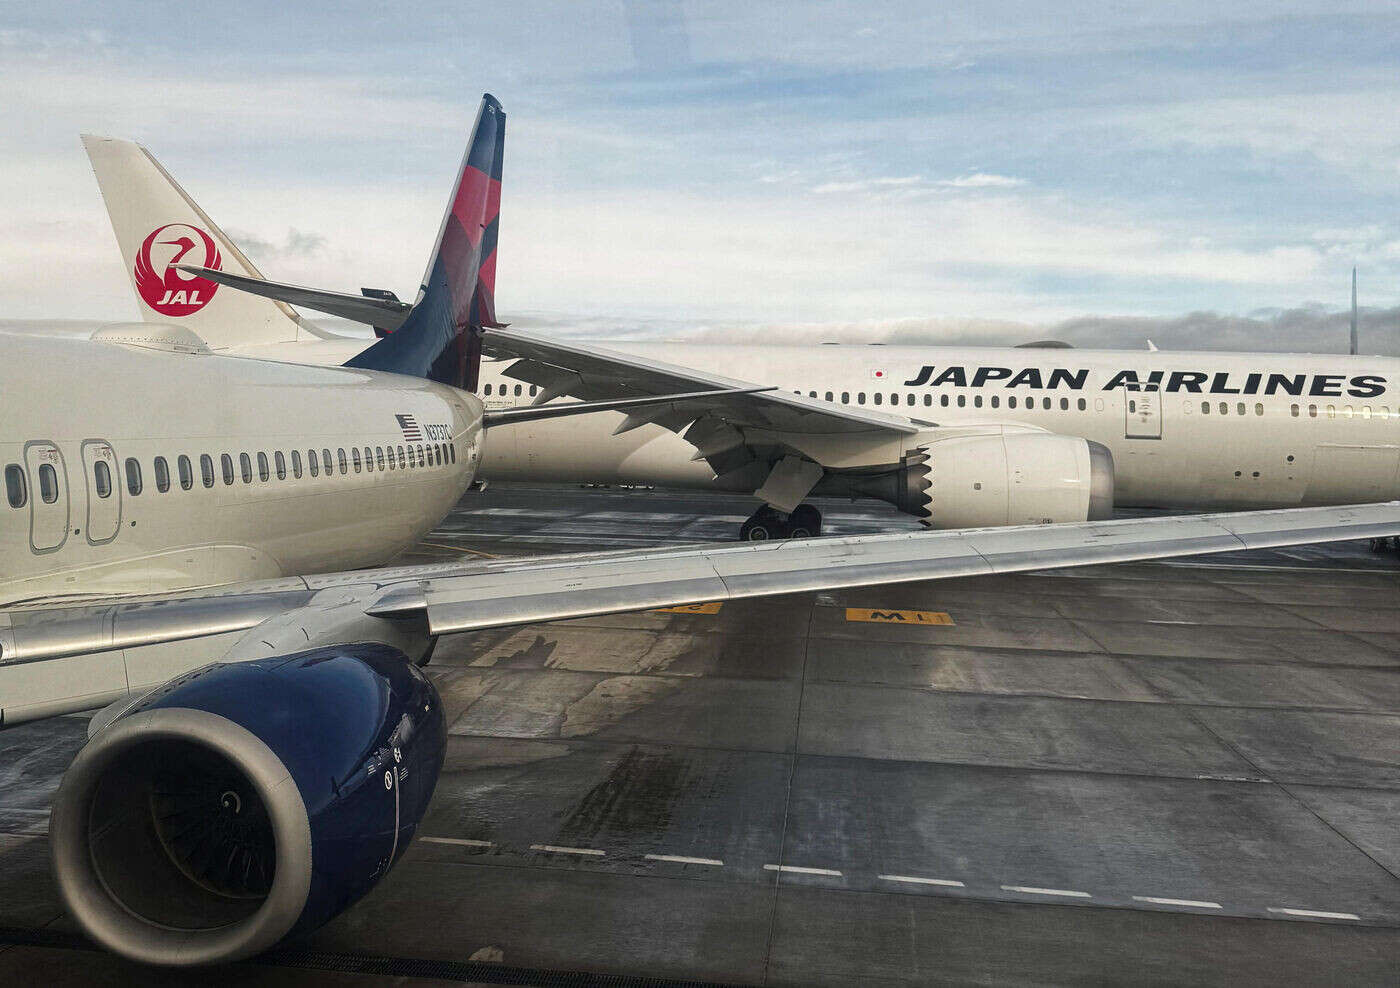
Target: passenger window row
[(360, 459), (501, 390), (945, 401)]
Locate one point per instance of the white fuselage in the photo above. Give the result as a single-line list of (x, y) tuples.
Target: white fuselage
[(146, 469), (1201, 430)]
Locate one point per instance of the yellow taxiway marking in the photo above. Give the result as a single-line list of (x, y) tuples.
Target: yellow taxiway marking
[(892, 616), (711, 608)]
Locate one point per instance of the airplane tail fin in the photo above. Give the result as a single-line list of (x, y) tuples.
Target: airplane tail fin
[(441, 337), (158, 226)]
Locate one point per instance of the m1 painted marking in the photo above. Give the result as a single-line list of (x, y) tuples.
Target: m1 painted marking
[(797, 870), (711, 608), (893, 616), (459, 841), (1162, 901), (1032, 890), (555, 849), (681, 859), (915, 880), (1313, 913)]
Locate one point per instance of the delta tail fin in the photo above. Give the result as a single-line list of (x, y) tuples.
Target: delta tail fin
[(441, 336), (159, 228)]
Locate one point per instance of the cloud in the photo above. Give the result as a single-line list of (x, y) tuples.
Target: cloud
[(982, 180)]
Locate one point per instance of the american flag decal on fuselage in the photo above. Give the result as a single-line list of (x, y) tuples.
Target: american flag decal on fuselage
[(409, 425)]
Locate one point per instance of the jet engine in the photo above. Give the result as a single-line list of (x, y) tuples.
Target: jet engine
[(246, 802), (1018, 478)]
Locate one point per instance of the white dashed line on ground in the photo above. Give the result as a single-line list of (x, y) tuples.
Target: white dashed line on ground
[(796, 870), (682, 859), (1163, 901), (459, 841), (1312, 913), (555, 849), (916, 880), (1033, 890)]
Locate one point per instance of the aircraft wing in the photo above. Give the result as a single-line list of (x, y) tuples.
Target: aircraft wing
[(267, 618)]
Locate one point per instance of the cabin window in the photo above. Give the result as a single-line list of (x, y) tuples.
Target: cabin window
[(1224, 408), (296, 464), (326, 461), (16, 486), (943, 400), (133, 476), (1205, 408), (879, 398), (909, 399), (452, 453), (245, 467), (312, 465), (1331, 411), (1258, 408), (1295, 411), (1365, 411), (1132, 405), (1045, 403), (263, 471), (1240, 408), (845, 397), (532, 391), (101, 479), (962, 401), (996, 401), (280, 463), (1347, 411), (341, 461), (517, 391), (828, 396), (1312, 411), (355, 457), (928, 401), (860, 398), (48, 482), (1383, 412), (206, 469), (487, 391), (379, 456), (421, 460), (162, 475), (1083, 404), (369, 459), (186, 472), (403, 461), (1064, 404)]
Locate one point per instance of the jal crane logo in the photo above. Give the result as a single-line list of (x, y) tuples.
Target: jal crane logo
[(164, 287)]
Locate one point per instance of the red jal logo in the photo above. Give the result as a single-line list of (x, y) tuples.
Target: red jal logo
[(165, 287)]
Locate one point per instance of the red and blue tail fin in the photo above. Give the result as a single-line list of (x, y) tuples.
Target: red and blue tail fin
[(441, 338)]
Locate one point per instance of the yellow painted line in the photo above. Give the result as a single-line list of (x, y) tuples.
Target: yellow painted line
[(711, 608), (890, 615)]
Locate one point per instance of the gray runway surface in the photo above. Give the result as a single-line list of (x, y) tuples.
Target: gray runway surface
[(1177, 772)]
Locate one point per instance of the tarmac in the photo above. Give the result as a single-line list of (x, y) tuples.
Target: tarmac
[(1174, 772)]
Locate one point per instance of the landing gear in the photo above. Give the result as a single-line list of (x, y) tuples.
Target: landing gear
[(768, 523)]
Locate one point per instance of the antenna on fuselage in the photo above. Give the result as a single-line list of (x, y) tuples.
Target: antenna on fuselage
[(1353, 311)]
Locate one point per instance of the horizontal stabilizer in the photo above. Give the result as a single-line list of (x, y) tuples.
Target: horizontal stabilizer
[(374, 310), (533, 413)]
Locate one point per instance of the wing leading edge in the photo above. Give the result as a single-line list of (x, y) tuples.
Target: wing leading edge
[(498, 593)]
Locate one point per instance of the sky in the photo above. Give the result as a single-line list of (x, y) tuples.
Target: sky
[(1200, 174)]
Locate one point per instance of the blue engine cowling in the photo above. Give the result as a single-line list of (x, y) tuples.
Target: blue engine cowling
[(243, 803)]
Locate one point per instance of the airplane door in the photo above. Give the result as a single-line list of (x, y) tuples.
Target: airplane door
[(1143, 415), (48, 502), (104, 492)]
